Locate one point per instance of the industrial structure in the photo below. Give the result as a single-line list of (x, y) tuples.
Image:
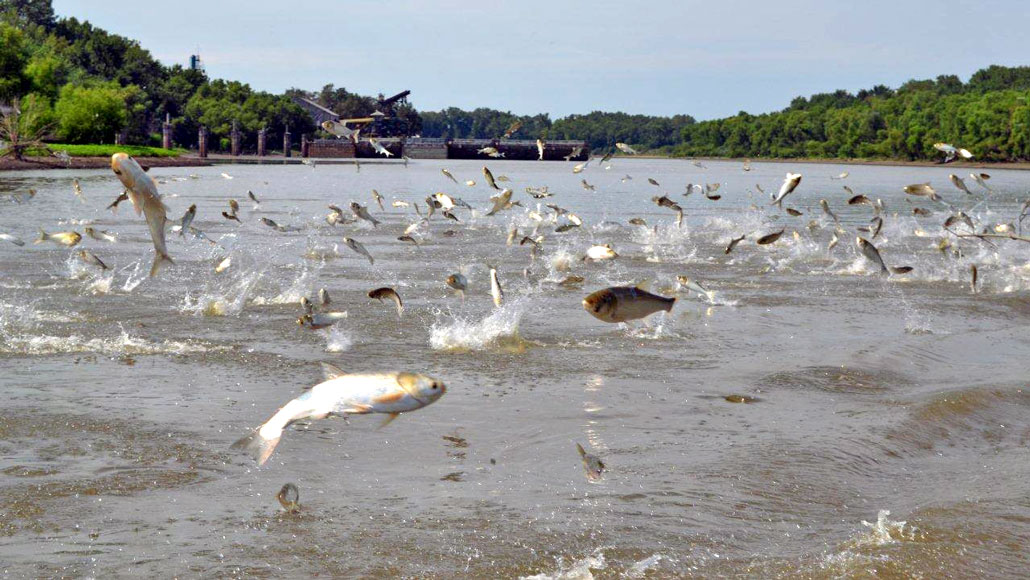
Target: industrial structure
[(393, 133)]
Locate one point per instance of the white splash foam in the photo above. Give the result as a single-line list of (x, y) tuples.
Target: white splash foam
[(498, 329), (123, 344), (577, 570), (337, 339), (219, 301), (884, 531)]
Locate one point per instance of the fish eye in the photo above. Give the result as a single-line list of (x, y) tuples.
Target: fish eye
[(434, 386)]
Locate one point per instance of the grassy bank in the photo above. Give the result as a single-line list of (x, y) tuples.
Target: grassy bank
[(108, 150)]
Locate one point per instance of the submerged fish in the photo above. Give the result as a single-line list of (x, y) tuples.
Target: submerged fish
[(143, 194), (223, 265), (323, 297), (388, 293), (344, 394), (14, 240), (624, 303), (64, 238), (591, 463), (316, 321)]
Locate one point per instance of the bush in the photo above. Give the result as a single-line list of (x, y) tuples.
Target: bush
[(91, 114)]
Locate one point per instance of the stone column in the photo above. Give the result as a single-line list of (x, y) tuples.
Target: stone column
[(166, 132), (202, 142), (235, 136), (119, 138), (304, 144), (286, 142), (262, 136)]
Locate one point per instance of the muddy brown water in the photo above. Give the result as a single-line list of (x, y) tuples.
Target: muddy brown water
[(865, 394)]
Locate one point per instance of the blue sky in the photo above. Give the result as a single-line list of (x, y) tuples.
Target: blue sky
[(707, 59)]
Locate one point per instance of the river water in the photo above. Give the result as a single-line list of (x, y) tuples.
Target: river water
[(870, 394)]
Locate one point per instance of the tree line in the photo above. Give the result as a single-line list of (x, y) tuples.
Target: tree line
[(87, 85)]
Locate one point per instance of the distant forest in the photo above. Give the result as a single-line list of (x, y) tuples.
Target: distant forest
[(86, 85)]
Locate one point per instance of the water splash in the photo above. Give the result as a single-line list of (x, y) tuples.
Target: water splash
[(337, 339), (123, 344), (578, 570), (498, 330), (884, 531), (219, 301)]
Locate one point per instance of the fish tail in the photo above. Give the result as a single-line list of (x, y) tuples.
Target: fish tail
[(160, 257), (257, 446), (670, 304), (42, 237), (582, 452)]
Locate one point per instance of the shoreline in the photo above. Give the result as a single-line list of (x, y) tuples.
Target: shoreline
[(38, 163), (45, 163), (1016, 165)]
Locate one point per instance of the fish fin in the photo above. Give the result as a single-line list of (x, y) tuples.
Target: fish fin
[(331, 371), (42, 237), (582, 452), (357, 409), (157, 263), (257, 446), (389, 419)]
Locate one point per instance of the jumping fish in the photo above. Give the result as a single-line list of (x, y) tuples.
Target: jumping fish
[(289, 498), (501, 202), (187, 219), (696, 288), (624, 303), (769, 238), (323, 297), (515, 126), (591, 463), (490, 178), (600, 253), (379, 199), (540, 149), (871, 254), (957, 182), (361, 212), (449, 176), (344, 394), (357, 247), (124, 196), (459, 283), (142, 192), (64, 238), (923, 190), (379, 147), (495, 288), (626, 149), (981, 180), (826, 209), (101, 236), (387, 292), (223, 265), (733, 243), (790, 183)]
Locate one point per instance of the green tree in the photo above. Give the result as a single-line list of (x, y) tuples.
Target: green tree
[(28, 12), (91, 114), (13, 58)]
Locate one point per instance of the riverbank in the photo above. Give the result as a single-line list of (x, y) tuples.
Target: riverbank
[(36, 163), (1020, 165)]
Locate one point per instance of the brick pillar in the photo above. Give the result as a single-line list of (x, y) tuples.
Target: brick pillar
[(235, 140), (166, 132), (262, 137), (286, 142), (304, 143), (202, 142)]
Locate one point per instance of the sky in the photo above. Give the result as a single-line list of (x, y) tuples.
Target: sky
[(707, 59)]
